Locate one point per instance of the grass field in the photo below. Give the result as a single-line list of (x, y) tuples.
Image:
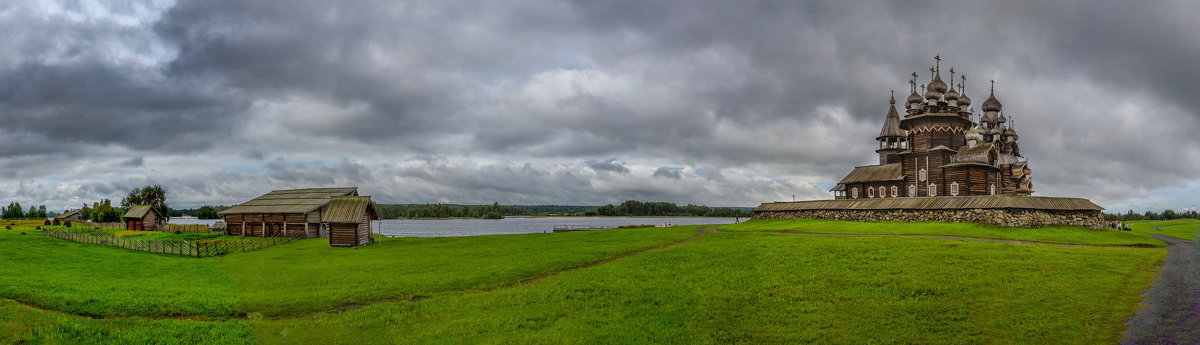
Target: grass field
[(764, 288), (1050, 234), (740, 285), (1178, 228)]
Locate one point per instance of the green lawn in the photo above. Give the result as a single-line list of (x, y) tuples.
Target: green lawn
[(1178, 228), (739, 285), (20, 324), (88, 279), (1051, 234), (766, 288), (310, 275)]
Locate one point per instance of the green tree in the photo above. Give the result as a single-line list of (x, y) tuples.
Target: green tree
[(13, 211), (207, 212), (155, 196)]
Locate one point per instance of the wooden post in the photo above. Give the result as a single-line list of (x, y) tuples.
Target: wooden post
[(264, 227), (306, 227)]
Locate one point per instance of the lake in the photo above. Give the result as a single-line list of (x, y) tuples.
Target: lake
[(511, 225)]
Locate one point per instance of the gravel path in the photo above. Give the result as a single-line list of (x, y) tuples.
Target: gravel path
[(1172, 305)]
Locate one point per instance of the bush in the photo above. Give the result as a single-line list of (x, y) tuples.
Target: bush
[(493, 215)]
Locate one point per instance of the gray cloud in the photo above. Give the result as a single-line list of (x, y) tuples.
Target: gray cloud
[(611, 165), (464, 101), (668, 172)]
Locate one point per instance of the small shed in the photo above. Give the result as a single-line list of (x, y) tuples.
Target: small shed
[(349, 219), (73, 216), (142, 217)]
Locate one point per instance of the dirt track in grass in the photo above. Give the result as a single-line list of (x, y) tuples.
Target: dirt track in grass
[(1171, 307)]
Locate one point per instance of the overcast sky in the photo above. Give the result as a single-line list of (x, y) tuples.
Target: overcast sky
[(724, 103)]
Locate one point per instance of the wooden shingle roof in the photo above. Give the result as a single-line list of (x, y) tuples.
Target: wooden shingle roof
[(941, 202), (138, 211), (349, 209), (292, 201), (872, 173)]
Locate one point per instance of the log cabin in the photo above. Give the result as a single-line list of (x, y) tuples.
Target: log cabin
[(339, 214), (142, 217)]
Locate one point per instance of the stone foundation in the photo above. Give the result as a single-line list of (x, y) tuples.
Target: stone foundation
[(1024, 218)]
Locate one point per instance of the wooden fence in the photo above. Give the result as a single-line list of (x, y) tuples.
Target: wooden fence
[(171, 246), (189, 228)]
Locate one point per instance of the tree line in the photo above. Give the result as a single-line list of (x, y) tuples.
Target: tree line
[(14, 211), (1151, 215), (639, 208), (412, 211)]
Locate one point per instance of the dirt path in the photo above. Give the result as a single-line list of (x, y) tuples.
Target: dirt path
[(962, 238), (1171, 313)]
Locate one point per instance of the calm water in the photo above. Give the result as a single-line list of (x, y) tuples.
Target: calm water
[(477, 227)]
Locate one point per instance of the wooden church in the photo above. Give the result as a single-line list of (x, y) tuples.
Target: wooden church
[(938, 149)]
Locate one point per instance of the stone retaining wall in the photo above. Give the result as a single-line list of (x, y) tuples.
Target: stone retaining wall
[(1002, 217)]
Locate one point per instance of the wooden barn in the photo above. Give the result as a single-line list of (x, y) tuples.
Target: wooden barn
[(337, 213), (142, 217), (73, 216)]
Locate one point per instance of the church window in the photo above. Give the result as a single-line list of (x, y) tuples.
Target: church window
[(922, 175), (870, 192), (954, 188), (992, 189), (854, 193), (912, 190), (932, 189), (895, 191), (882, 191)]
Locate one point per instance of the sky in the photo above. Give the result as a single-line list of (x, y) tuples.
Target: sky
[(723, 103)]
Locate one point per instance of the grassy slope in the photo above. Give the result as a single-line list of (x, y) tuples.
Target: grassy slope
[(88, 279), (1178, 228), (1052, 234), (310, 276), (20, 324), (762, 288)]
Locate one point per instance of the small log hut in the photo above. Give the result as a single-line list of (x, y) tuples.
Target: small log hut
[(337, 213), (74, 216), (142, 217)]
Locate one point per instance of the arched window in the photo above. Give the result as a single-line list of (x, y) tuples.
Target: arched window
[(870, 192), (882, 192), (922, 175), (912, 190), (854, 192), (895, 191), (992, 189), (954, 188), (932, 189)]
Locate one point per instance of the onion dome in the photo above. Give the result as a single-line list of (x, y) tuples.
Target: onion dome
[(937, 84), (964, 101), (1010, 132), (992, 104), (1000, 118), (974, 134), (914, 97), (996, 131), (951, 95)]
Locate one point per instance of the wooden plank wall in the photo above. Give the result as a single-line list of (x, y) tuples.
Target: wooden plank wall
[(342, 235)]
